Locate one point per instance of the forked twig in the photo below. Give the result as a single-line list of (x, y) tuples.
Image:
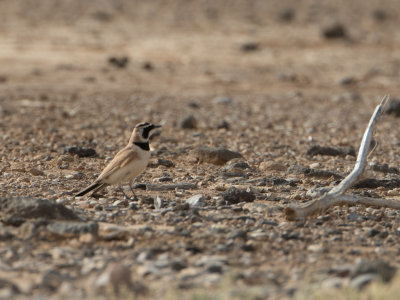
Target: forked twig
[(336, 195)]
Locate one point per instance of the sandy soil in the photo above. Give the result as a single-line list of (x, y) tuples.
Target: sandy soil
[(289, 88)]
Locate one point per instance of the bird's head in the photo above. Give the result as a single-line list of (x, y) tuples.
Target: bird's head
[(143, 132)]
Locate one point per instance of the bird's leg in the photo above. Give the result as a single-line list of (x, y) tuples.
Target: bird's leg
[(125, 195), (133, 192)]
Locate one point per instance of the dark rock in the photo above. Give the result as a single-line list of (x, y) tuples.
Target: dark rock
[(331, 151), (165, 162), (170, 187), (80, 151), (194, 104), (188, 122), (393, 107), (379, 15), (383, 235), (321, 173), (224, 125), (102, 16), (5, 233), (52, 279), (287, 15), (372, 183), (234, 195), (266, 222), (237, 163), (73, 228), (119, 62), (250, 47), (15, 221), (33, 208), (215, 269), (8, 289), (247, 248), (384, 168), (381, 268), (148, 66), (297, 169), (290, 235), (372, 232), (348, 80), (216, 156), (178, 265), (335, 31)]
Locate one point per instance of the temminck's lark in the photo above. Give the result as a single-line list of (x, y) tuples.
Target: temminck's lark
[(128, 163)]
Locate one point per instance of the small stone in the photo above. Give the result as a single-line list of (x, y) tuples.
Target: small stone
[(315, 248), (250, 46), (287, 15), (216, 156), (162, 162), (331, 151), (8, 289), (363, 280), (188, 122), (379, 15), (335, 282), (315, 165), (393, 107), (224, 125), (36, 172), (118, 61), (52, 280), (335, 31), (80, 151), (73, 228), (385, 271), (33, 208), (196, 200), (348, 80), (234, 195), (223, 100), (148, 66), (170, 186), (272, 166)]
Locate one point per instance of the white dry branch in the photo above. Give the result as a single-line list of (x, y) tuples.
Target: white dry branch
[(336, 196)]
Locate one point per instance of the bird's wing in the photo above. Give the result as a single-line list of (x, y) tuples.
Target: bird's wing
[(123, 158)]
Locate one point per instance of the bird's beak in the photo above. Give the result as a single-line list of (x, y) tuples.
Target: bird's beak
[(157, 126)]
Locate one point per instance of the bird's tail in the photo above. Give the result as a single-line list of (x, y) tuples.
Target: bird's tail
[(96, 185)]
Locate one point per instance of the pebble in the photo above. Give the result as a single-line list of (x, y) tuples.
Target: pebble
[(188, 122), (80, 151), (216, 156), (223, 100), (272, 166), (75, 228), (335, 31), (34, 208), (363, 280), (196, 200), (36, 172), (234, 195)]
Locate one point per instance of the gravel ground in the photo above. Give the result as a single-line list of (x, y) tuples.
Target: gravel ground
[(267, 81)]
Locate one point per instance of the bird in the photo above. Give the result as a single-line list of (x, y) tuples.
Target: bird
[(128, 163)]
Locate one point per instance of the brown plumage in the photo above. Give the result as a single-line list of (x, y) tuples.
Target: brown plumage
[(128, 163)]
